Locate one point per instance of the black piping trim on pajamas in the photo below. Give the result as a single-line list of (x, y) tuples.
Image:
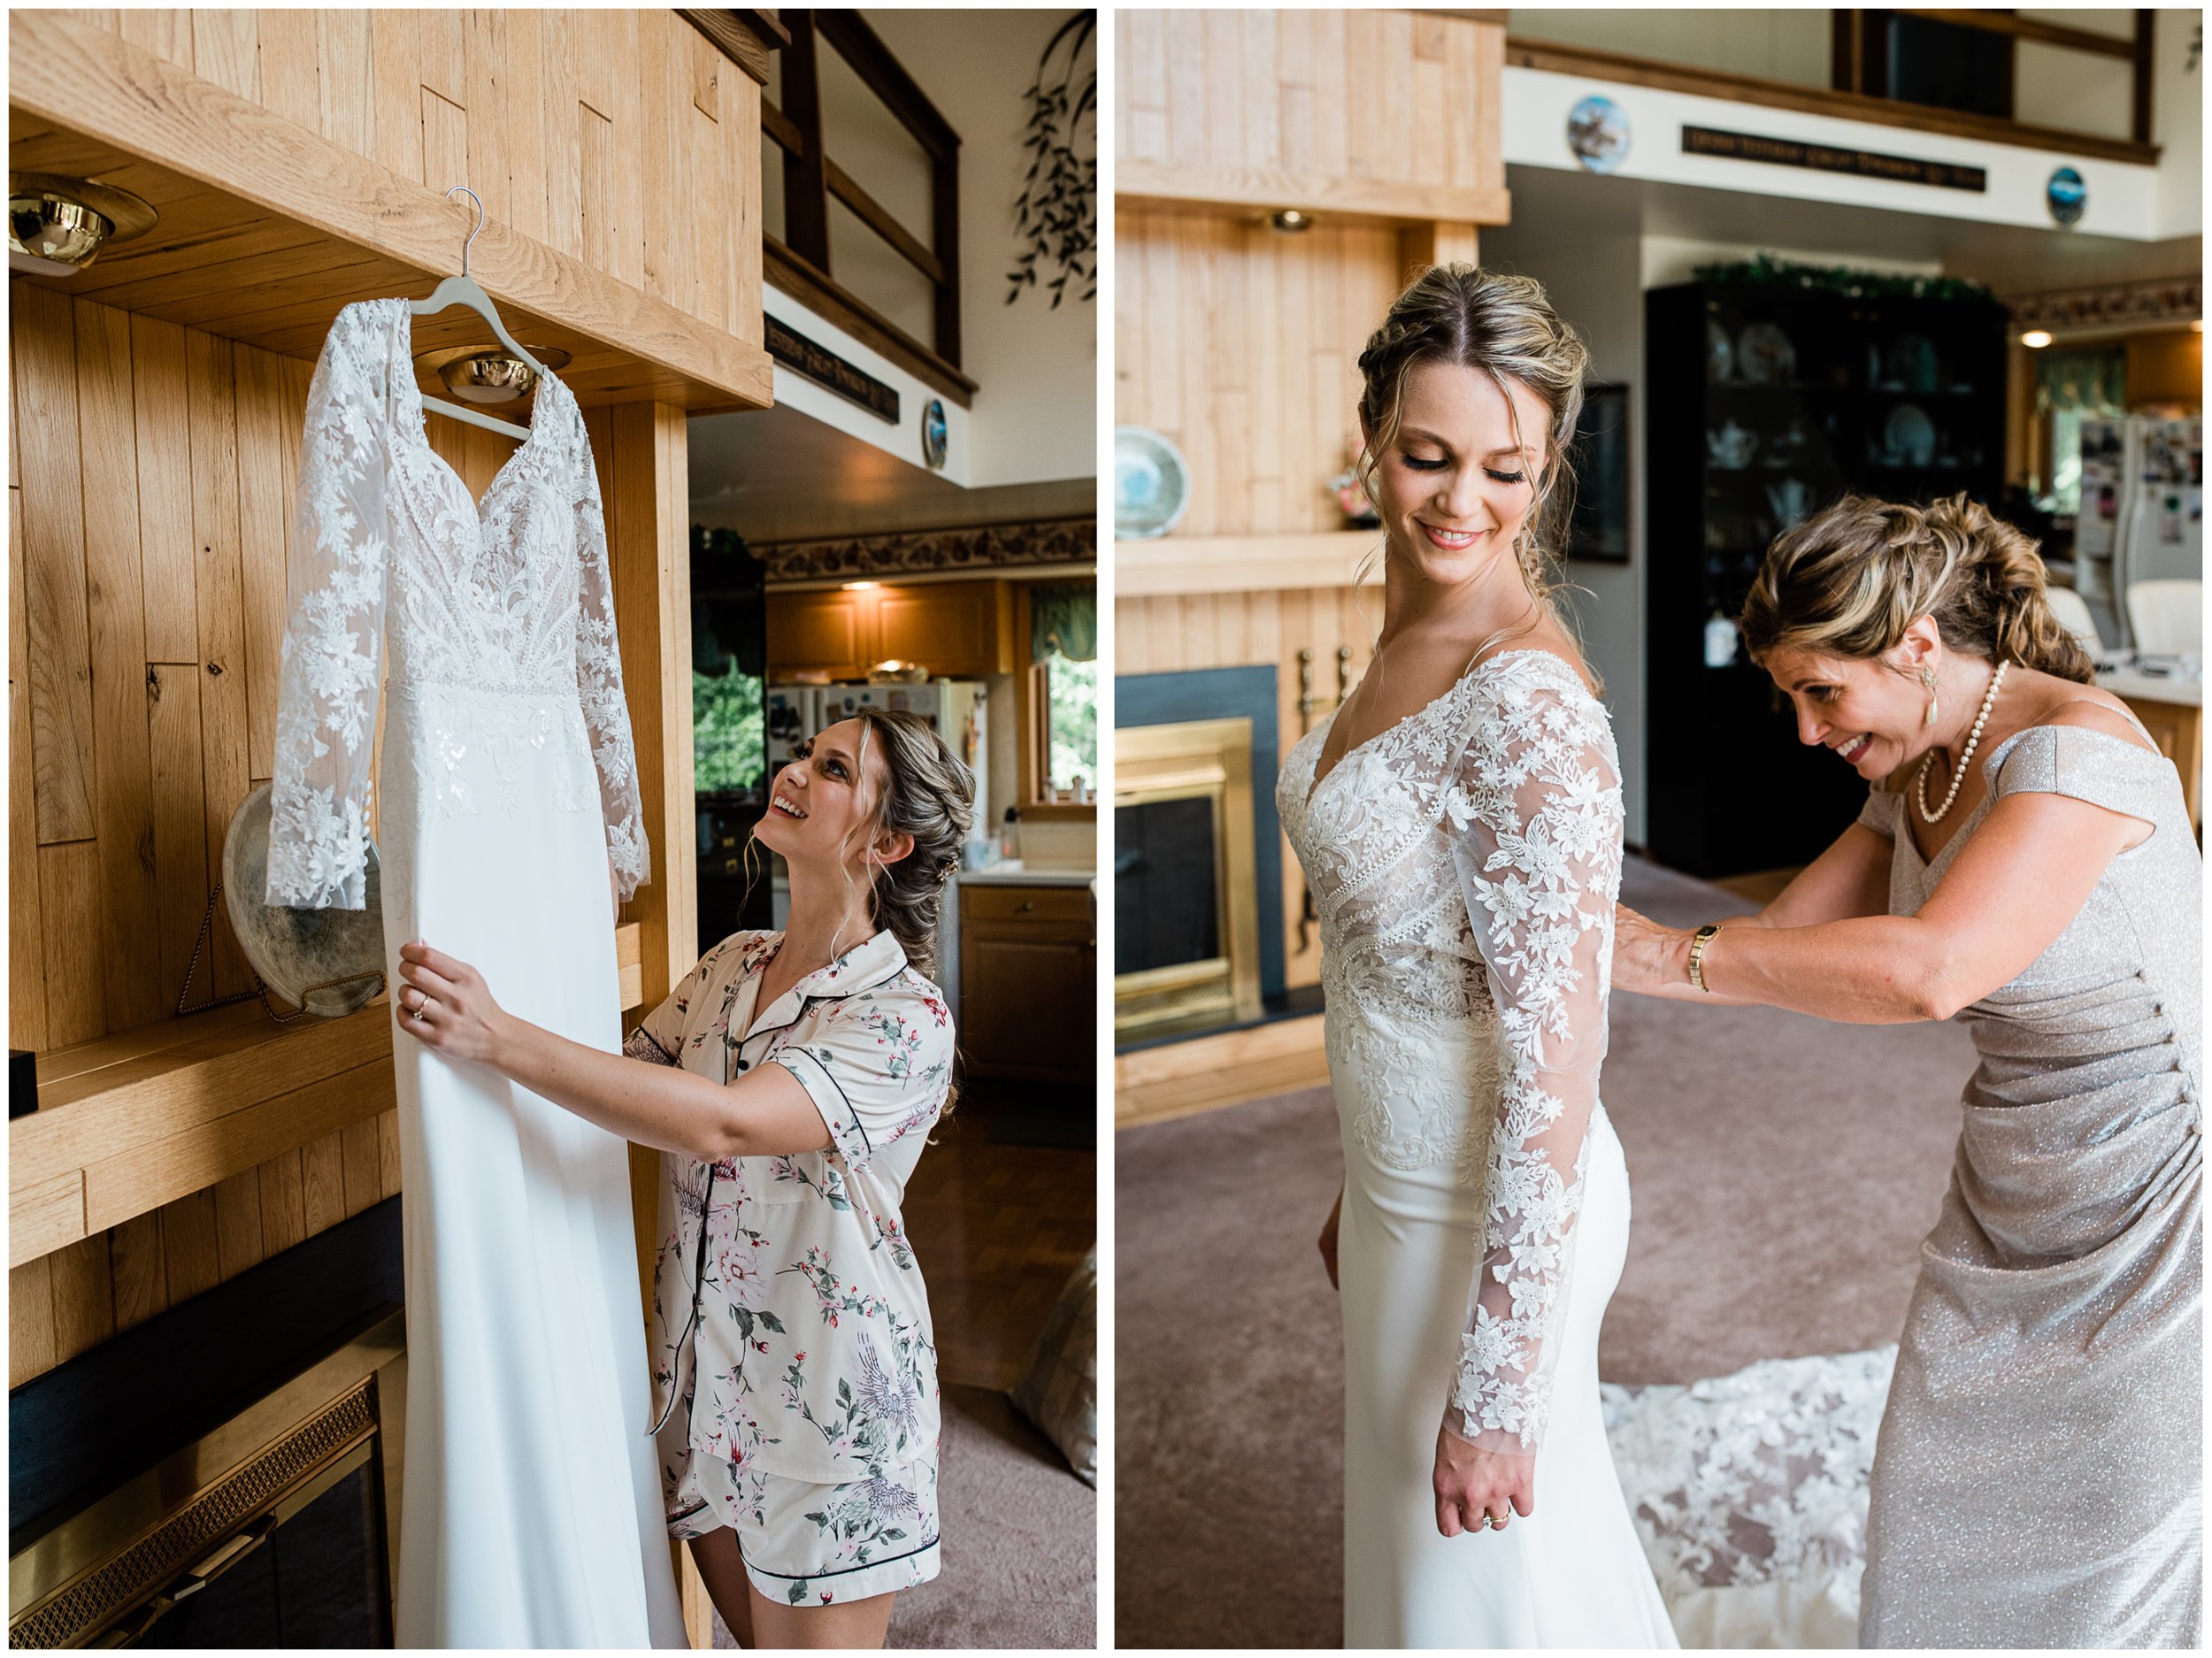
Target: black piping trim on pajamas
[(666, 1058), (843, 1571), (852, 1116)]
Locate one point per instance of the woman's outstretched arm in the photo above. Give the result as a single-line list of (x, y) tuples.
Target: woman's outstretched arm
[(2013, 890), (764, 1113)]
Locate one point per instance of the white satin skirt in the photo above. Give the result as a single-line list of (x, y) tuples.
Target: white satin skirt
[(1573, 1573)]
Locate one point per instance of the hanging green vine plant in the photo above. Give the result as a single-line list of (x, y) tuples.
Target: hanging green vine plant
[(1056, 216)]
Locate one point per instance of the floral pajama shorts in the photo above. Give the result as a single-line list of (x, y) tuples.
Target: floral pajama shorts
[(807, 1544)]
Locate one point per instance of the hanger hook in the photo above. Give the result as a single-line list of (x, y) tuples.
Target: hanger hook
[(463, 189)]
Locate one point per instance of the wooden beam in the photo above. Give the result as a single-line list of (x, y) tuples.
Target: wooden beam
[(76, 76), (785, 270), (781, 128), (2146, 36), (746, 38), (1268, 190), (805, 180), (877, 217), (1779, 95), (1179, 565), (2026, 29), (848, 35)]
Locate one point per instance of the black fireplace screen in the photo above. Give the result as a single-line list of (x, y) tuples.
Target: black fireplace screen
[(1167, 903), (317, 1581)]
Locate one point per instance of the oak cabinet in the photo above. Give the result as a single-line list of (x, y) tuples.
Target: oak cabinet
[(1028, 979), (959, 630)]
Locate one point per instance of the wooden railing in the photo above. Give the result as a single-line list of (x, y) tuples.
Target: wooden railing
[(812, 179), (1857, 58), (1561, 58)]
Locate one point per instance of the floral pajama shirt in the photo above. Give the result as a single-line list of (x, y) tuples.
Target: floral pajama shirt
[(794, 1371)]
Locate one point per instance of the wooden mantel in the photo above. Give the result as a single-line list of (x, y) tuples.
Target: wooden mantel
[(269, 226)]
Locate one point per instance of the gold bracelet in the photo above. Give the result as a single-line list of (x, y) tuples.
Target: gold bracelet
[(1697, 957)]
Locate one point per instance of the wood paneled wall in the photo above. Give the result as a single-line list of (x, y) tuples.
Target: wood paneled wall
[(1242, 343), (622, 137), (1388, 100), (151, 471), (1232, 630)]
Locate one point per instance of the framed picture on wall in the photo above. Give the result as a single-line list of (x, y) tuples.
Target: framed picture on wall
[(1599, 533)]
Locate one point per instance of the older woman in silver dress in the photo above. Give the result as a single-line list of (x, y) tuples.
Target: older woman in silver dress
[(2025, 863)]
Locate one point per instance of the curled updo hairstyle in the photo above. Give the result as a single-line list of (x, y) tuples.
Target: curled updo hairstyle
[(926, 790), (1504, 326), (1850, 580)]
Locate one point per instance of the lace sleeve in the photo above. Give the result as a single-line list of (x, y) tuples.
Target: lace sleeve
[(599, 686), (1539, 864), (334, 636)]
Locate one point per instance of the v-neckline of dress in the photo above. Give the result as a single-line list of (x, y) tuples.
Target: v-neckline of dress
[(1313, 790), (422, 427)]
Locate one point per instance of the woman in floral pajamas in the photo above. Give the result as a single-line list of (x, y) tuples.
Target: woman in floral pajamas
[(792, 1078)]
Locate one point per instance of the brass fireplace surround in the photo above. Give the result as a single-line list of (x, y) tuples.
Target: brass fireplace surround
[(1211, 760), (107, 1576)]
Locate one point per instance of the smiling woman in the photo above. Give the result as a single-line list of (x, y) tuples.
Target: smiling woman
[(792, 1078)]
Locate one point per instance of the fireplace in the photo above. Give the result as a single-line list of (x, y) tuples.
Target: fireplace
[(225, 1474), (1197, 862)]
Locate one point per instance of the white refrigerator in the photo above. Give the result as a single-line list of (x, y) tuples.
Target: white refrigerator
[(956, 710), (2142, 506)]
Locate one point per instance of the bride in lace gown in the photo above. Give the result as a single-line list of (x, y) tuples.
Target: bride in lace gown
[(530, 1512), (1459, 822)]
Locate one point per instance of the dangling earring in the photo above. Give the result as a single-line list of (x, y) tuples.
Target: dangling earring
[(1928, 679)]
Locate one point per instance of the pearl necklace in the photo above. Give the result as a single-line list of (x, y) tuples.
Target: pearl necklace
[(1973, 740)]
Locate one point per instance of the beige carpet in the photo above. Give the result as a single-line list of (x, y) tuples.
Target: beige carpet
[(1783, 1171)]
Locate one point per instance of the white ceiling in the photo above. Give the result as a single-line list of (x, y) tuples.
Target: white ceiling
[(1554, 204), (776, 474)]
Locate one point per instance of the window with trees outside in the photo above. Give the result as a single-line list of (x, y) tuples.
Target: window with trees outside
[(1059, 701)]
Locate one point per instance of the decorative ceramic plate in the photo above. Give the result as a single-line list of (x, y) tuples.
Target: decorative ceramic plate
[(1597, 132), (293, 949), (1151, 484), (1766, 356)]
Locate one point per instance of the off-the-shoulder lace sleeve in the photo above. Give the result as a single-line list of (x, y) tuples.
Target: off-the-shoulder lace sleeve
[(1539, 803), (334, 636), (599, 686)]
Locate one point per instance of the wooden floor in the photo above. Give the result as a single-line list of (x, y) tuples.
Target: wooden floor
[(997, 1229)]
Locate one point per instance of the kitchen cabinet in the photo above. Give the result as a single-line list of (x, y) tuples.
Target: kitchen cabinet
[(1028, 983), (959, 630)]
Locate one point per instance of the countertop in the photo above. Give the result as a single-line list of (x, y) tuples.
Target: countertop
[(2148, 688), (1012, 872)]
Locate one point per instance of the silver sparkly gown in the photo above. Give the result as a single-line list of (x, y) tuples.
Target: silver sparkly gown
[(2038, 1480)]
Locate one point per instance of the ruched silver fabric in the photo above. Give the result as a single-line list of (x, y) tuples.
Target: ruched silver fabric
[(2038, 1480)]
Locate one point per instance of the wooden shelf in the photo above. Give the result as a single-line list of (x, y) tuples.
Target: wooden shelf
[(267, 229), (1248, 189), (132, 1121), (1175, 566)]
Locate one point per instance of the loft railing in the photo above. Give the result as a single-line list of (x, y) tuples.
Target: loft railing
[(1859, 68), (812, 179)]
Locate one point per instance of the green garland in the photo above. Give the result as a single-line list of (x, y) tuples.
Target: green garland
[(1762, 271)]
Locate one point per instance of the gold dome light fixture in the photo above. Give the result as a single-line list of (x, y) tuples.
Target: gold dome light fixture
[(488, 376), (58, 225)]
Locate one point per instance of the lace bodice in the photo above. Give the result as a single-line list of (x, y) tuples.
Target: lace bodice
[(483, 605), (1465, 865)]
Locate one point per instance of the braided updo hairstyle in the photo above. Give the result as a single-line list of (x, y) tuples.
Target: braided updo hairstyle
[(1850, 580), (927, 791), (1505, 326)]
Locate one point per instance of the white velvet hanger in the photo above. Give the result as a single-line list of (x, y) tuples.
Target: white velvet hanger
[(465, 290)]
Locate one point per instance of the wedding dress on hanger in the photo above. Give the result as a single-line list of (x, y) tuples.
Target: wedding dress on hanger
[(1464, 865), (531, 1513)]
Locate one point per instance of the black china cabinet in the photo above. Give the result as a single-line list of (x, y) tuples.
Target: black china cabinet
[(1767, 402)]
